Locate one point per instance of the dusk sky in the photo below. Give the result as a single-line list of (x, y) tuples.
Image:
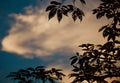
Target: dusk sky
[(29, 39)]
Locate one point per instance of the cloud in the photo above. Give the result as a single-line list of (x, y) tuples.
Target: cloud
[(32, 35)]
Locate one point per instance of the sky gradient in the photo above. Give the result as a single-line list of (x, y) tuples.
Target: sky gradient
[(29, 39)]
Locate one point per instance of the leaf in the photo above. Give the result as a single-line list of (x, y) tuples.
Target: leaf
[(73, 75), (52, 13), (74, 16), (56, 70), (95, 11), (65, 10), (109, 15), (109, 37), (74, 61), (106, 32), (80, 14), (59, 15), (117, 42), (98, 61), (83, 45), (113, 37), (99, 15), (75, 70), (70, 8), (102, 28), (77, 53)]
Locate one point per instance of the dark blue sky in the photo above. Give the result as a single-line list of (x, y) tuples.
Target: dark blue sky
[(8, 61)]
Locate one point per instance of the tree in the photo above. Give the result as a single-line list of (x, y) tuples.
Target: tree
[(38, 74), (97, 62)]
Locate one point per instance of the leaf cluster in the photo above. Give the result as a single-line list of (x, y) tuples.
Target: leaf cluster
[(60, 9), (108, 8), (98, 62), (110, 31), (31, 75)]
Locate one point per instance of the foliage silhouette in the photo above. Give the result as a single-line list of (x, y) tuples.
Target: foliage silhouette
[(97, 62), (60, 9), (34, 75)]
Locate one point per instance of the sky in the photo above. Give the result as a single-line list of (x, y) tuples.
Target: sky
[(29, 39)]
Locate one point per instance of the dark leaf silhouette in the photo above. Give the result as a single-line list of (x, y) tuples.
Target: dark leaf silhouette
[(77, 13), (59, 9), (59, 15), (52, 13), (74, 60)]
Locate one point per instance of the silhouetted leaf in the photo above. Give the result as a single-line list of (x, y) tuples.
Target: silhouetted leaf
[(65, 10), (59, 15), (117, 42), (76, 70), (74, 61), (102, 28), (77, 53), (73, 74), (70, 8), (77, 13), (99, 15), (109, 15), (52, 13), (80, 14), (74, 16)]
